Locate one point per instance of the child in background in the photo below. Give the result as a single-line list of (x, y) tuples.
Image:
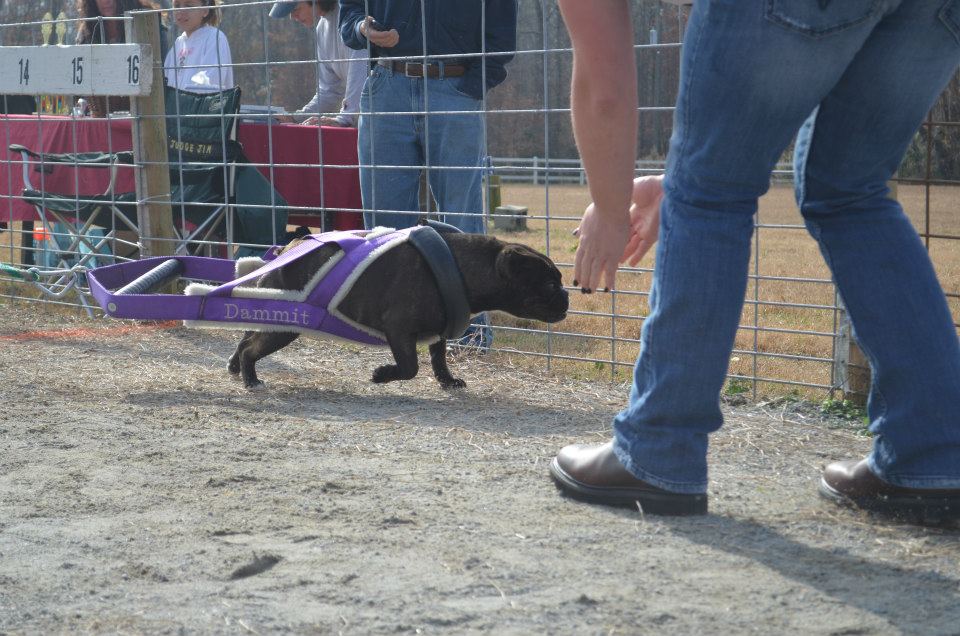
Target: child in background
[(97, 28), (200, 58)]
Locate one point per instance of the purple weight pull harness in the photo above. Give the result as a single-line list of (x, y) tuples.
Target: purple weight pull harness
[(237, 304)]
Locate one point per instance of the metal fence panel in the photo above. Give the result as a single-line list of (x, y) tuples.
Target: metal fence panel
[(793, 336)]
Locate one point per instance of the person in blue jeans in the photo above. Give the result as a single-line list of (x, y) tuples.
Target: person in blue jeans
[(853, 79), (432, 61)]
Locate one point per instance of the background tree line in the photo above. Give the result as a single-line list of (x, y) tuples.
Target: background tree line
[(528, 114)]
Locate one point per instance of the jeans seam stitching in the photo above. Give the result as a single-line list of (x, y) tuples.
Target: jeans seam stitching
[(686, 91)]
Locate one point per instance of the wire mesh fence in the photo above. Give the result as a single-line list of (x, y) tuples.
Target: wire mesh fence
[(241, 171)]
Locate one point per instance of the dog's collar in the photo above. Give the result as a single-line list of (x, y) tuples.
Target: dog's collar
[(436, 253)]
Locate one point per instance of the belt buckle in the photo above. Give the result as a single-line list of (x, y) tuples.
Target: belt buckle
[(406, 69)]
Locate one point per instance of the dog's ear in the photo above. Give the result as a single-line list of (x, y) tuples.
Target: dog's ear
[(514, 261)]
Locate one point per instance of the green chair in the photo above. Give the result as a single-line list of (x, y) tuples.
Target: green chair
[(206, 163)]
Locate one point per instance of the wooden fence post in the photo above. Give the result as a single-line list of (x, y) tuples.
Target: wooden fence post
[(851, 369), (154, 216)]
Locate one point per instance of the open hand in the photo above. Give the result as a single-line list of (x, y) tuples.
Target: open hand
[(603, 239), (644, 218), (606, 240)]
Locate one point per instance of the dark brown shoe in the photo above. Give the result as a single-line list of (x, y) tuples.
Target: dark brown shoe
[(852, 483), (593, 474)]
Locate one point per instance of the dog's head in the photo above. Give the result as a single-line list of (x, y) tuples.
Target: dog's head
[(534, 283)]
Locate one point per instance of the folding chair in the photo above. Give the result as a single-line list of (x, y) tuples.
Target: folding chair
[(205, 162), (72, 226), (215, 191)]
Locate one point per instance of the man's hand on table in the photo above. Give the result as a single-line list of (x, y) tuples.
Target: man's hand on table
[(322, 121)]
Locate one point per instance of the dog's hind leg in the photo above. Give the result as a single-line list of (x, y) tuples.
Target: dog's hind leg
[(404, 348), (233, 364), (438, 359), (256, 345)]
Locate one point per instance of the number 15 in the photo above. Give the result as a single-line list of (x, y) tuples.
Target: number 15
[(78, 70)]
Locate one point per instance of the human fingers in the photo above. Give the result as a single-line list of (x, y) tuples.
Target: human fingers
[(641, 249), (609, 276), (598, 271), (384, 39), (590, 270), (642, 237), (631, 246), (365, 28), (578, 267)]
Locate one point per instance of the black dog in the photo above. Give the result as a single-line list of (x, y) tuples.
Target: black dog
[(397, 295)]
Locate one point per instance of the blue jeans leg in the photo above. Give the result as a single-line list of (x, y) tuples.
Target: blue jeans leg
[(389, 149), (455, 147), (752, 72), (884, 274), (395, 141)]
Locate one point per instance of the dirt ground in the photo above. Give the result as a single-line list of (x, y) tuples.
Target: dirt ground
[(143, 490)]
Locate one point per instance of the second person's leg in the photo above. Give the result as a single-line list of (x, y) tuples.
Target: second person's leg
[(845, 156), (389, 150), (455, 148)]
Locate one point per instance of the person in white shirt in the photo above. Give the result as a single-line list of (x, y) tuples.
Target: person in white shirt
[(341, 70), (200, 58)]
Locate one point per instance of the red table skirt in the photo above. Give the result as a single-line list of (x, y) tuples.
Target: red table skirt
[(311, 167)]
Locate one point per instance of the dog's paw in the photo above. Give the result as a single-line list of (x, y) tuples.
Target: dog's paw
[(256, 385), (233, 366), (386, 373), (453, 383)]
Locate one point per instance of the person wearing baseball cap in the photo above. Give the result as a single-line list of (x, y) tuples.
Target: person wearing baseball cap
[(340, 69)]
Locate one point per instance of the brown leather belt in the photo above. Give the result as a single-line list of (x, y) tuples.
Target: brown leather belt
[(416, 69)]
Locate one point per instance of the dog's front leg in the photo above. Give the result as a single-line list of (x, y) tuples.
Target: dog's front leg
[(438, 358), (256, 345), (404, 349)]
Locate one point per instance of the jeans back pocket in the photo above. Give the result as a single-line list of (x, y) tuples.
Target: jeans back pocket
[(950, 16), (820, 18)]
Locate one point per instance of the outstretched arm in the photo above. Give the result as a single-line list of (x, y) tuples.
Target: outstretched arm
[(604, 104)]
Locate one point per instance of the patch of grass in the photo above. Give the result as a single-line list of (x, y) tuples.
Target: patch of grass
[(847, 411), (736, 386), (844, 409)]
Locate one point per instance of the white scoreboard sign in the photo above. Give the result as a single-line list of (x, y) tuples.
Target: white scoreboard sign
[(85, 69)]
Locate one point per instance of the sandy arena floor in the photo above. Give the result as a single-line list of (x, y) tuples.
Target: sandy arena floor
[(143, 490)]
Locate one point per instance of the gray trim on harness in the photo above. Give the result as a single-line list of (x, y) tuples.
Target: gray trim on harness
[(449, 279)]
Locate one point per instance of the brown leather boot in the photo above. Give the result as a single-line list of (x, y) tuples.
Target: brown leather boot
[(852, 483), (592, 473)]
